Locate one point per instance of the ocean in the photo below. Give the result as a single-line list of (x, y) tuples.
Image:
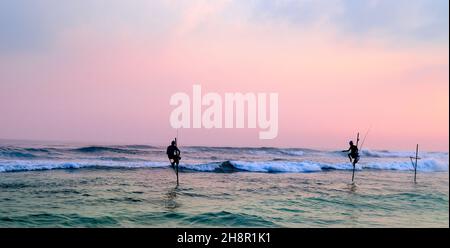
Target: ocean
[(64, 185)]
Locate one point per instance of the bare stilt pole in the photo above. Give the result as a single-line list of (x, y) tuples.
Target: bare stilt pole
[(415, 167), (414, 163)]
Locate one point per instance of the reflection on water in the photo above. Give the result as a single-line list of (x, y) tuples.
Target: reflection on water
[(353, 187), (170, 197), (149, 198)]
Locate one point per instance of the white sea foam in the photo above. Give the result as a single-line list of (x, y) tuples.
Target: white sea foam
[(428, 165), (30, 165), (401, 154), (422, 165), (277, 166)]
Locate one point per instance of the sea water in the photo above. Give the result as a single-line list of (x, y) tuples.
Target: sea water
[(60, 185)]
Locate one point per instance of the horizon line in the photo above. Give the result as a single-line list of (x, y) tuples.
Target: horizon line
[(107, 143)]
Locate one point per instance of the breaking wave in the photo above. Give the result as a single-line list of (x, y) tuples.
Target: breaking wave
[(427, 165), (13, 166), (399, 154), (199, 158), (310, 166)]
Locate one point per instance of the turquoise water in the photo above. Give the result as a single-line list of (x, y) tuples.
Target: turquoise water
[(147, 197), (61, 185)]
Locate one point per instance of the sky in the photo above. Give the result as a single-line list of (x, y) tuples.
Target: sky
[(103, 71)]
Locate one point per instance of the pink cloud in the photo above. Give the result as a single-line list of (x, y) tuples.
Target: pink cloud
[(116, 87)]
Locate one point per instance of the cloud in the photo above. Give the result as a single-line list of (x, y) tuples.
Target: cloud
[(27, 26), (20, 26), (400, 20), (36, 25), (405, 21)]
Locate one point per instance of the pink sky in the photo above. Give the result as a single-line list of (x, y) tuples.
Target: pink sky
[(114, 86)]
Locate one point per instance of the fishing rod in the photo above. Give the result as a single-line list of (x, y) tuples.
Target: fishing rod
[(354, 164), (364, 139), (359, 149)]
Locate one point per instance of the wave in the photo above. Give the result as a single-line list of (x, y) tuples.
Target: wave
[(101, 149), (140, 146), (221, 167), (399, 154), (386, 154), (249, 150), (41, 150), (16, 166), (120, 159), (278, 151), (426, 165), (16, 153), (46, 153), (267, 166), (208, 152)]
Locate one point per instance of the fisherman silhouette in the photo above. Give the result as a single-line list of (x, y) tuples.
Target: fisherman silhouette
[(353, 154), (174, 154)]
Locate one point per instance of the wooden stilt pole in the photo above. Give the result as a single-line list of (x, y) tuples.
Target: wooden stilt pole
[(353, 162), (415, 167), (414, 163), (353, 175)]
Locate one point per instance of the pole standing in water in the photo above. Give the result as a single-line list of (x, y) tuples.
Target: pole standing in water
[(415, 163), (174, 156), (353, 154)]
